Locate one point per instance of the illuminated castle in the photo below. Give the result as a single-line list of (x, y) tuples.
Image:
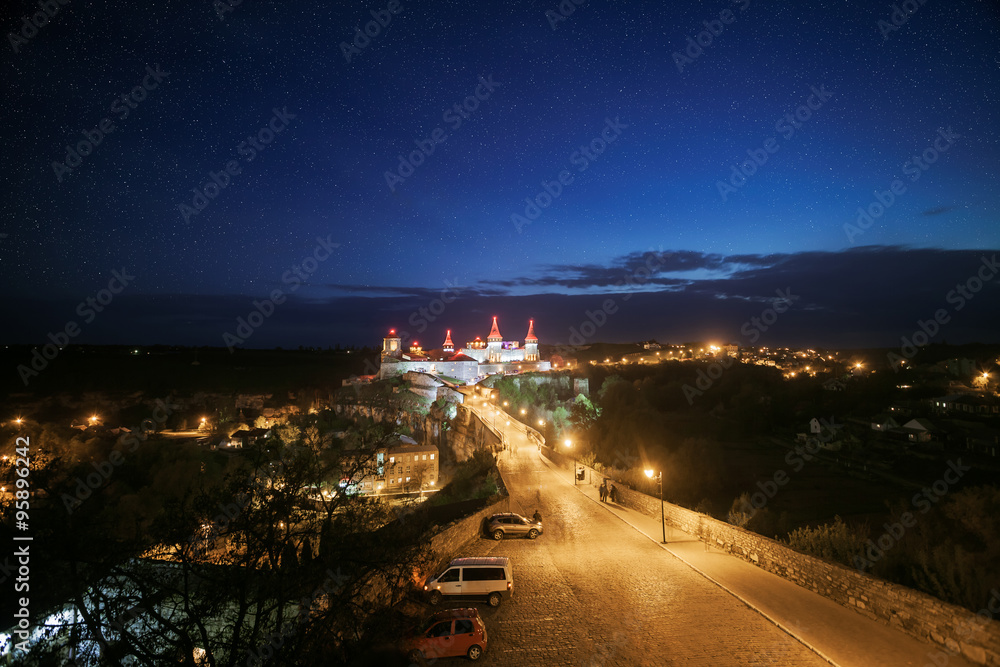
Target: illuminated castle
[(476, 360)]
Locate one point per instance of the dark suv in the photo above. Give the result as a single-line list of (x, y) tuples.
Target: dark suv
[(499, 526)]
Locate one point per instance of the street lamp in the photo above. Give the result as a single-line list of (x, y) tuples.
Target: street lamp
[(569, 445), (663, 523)]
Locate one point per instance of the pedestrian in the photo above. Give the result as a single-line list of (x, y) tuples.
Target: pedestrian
[(537, 517), (614, 494), (603, 489)]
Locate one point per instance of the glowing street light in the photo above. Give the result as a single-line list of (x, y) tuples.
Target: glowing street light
[(523, 411), (569, 445), (663, 523)]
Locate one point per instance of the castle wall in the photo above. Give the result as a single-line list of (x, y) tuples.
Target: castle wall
[(479, 353), (460, 370), (524, 367)]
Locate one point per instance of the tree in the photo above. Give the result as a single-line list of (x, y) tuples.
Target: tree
[(583, 413), (220, 571)]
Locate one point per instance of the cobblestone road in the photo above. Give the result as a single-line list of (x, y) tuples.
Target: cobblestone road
[(593, 591)]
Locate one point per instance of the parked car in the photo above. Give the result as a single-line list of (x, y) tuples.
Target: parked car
[(489, 578), (446, 634), (500, 526)]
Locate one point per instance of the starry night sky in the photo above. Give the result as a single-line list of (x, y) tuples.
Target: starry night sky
[(652, 197)]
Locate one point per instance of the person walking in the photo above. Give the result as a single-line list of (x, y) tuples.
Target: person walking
[(537, 517), (614, 494), (603, 491)]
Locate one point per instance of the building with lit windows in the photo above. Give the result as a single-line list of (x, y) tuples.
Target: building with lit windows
[(404, 467)]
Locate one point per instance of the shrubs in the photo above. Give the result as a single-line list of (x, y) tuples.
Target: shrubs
[(834, 541), (476, 477), (741, 511)]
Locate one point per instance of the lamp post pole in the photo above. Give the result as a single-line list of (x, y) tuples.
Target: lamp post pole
[(663, 522), (569, 445)]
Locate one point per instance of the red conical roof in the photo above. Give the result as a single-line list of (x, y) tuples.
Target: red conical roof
[(531, 332), (495, 332), (447, 340)]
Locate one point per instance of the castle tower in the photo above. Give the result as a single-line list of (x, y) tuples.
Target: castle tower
[(391, 346), (531, 343), (494, 344), (448, 345)]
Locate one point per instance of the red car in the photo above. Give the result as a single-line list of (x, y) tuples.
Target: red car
[(448, 633)]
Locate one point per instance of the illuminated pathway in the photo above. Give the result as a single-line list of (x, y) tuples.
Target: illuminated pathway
[(594, 591), (598, 589)]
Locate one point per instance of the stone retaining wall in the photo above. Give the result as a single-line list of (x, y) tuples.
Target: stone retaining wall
[(950, 628)]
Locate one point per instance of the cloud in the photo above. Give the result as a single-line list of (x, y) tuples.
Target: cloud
[(863, 296), (937, 210), (449, 288)]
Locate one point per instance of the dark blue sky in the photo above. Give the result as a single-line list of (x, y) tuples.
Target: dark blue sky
[(879, 98)]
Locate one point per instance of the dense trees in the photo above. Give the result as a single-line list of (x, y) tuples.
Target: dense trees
[(185, 557)]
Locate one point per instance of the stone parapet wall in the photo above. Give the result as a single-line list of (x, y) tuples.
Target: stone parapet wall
[(950, 628)]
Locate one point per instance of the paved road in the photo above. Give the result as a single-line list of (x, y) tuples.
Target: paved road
[(594, 591)]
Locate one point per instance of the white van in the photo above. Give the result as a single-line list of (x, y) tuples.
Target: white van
[(487, 578)]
